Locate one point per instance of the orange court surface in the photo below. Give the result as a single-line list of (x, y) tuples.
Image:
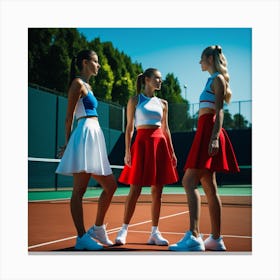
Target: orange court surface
[(50, 226)]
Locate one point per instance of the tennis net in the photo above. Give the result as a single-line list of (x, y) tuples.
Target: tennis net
[(42, 176)]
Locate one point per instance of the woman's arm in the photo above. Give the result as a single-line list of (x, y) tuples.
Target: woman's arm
[(130, 115), (166, 131), (74, 94), (219, 88)]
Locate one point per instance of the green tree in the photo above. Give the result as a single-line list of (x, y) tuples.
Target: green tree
[(103, 82), (170, 89), (179, 118), (39, 41), (50, 51), (123, 89), (239, 121), (228, 122)]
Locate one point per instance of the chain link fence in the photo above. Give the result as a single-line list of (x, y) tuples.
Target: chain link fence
[(183, 117)]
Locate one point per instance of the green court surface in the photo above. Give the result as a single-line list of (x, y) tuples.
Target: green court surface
[(228, 190)]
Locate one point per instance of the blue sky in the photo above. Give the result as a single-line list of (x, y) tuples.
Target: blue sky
[(178, 51)]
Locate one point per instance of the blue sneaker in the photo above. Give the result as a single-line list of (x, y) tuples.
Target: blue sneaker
[(188, 243), (214, 244), (87, 243)]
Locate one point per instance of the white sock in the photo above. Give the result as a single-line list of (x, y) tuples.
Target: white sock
[(124, 226), (154, 229), (98, 227)]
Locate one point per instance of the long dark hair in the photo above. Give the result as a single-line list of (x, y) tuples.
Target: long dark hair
[(140, 82), (77, 62)]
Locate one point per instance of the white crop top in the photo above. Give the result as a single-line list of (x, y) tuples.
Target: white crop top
[(149, 111)]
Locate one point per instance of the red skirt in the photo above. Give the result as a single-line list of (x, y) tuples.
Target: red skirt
[(151, 160), (198, 157)]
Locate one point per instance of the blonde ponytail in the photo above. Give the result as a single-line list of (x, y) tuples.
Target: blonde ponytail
[(220, 62)]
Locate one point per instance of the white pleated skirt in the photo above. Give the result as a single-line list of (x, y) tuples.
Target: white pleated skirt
[(86, 150)]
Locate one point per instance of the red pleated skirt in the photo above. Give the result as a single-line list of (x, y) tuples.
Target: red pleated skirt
[(198, 157), (151, 161)]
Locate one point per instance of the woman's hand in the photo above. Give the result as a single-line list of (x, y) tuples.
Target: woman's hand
[(174, 160), (127, 159), (60, 151), (213, 148)]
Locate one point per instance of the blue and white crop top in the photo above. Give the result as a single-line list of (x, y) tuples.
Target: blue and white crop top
[(86, 105), (207, 97), (149, 111)]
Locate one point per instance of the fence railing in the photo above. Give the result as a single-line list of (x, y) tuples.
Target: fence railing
[(183, 117)]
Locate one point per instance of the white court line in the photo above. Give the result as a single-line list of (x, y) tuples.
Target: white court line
[(148, 221), (130, 226), (51, 242), (53, 200), (109, 231), (182, 233)]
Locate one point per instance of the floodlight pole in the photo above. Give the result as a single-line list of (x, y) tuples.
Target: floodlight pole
[(185, 87)]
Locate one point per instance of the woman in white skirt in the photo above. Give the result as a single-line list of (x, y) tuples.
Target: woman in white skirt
[(84, 154)]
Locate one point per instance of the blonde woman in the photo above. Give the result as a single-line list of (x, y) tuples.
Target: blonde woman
[(211, 152)]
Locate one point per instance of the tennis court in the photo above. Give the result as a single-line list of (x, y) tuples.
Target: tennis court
[(50, 226)]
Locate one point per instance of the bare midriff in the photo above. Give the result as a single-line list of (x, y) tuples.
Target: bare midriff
[(204, 111), (147, 126)]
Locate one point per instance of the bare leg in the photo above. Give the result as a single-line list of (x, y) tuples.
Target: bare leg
[(80, 186), (209, 184), (156, 203), (190, 182), (109, 186), (130, 203)]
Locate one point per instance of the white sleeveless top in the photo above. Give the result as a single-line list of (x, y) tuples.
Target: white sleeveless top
[(149, 111)]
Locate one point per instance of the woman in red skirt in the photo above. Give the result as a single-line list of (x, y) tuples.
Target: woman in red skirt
[(151, 160), (211, 152)]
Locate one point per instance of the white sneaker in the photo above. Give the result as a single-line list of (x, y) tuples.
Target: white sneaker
[(100, 234), (157, 239), (188, 243), (87, 243), (214, 244), (121, 237)]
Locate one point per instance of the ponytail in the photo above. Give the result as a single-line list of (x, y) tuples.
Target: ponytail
[(77, 62), (72, 70), (140, 82)]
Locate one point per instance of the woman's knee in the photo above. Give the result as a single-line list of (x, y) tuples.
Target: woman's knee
[(78, 192), (209, 184), (111, 185), (190, 179), (80, 184), (108, 183), (135, 191), (156, 192)]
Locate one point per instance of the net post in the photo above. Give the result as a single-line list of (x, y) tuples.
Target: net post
[(123, 119), (56, 139)]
